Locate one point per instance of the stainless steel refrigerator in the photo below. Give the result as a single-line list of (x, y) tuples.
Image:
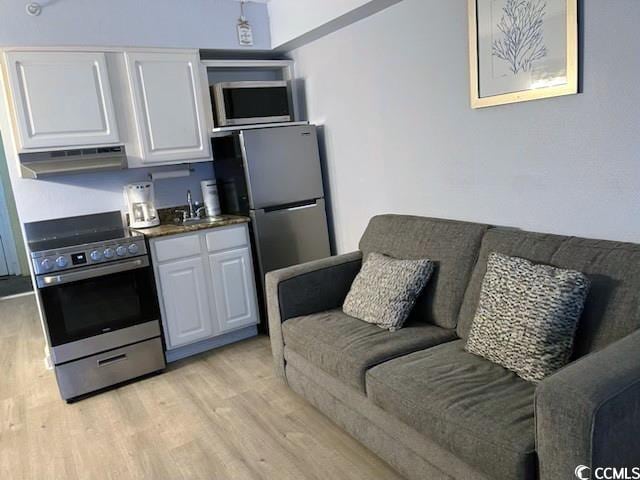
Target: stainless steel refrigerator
[(274, 176)]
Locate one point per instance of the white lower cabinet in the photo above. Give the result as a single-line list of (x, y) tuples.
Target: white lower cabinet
[(208, 295), (187, 315), (233, 287)]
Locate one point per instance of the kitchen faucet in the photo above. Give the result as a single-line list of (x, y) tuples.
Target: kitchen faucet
[(193, 214), (190, 203), (194, 210)]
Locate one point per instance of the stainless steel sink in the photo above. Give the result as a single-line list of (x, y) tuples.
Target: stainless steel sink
[(199, 221)]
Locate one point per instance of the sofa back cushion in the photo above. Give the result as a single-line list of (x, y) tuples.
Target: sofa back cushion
[(453, 247), (612, 308), (537, 247), (527, 316)]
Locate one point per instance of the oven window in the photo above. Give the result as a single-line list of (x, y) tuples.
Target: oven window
[(90, 307), (256, 102)]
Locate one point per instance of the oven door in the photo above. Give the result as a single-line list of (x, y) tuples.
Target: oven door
[(97, 308)]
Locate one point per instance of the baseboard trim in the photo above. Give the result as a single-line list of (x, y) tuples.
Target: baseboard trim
[(211, 343)]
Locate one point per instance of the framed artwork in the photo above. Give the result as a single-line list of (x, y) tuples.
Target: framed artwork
[(522, 50)]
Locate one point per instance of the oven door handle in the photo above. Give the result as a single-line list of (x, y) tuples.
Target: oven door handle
[(93, 272)]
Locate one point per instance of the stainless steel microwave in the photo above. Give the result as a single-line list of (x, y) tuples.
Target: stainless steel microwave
[(247, 103)]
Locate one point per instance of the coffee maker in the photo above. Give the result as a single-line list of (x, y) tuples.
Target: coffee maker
[(141, 202)]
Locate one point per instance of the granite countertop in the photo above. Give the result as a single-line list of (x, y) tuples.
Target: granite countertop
[(168, 225)]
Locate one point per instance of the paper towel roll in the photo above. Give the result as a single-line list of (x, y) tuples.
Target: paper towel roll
[(210, 197)]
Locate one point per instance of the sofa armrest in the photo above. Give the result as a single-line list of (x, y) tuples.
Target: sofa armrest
[(304, 289), (588, 413)]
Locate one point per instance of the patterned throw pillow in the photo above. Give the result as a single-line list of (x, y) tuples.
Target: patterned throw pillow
[(385, 290), (527, 316)]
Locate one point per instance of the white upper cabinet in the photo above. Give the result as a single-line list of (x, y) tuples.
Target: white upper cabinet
[(168, 106), (60, 99)]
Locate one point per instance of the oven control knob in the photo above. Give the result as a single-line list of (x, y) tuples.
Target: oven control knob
[(96, 255), (108, 253), (121, 251), (61, 262), (46, 264), (133, 249)]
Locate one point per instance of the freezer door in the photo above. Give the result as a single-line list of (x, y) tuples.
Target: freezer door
[(290, 236), (282, 165)]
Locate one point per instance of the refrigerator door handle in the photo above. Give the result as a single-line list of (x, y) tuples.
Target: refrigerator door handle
[(291, 207), (302, 207)]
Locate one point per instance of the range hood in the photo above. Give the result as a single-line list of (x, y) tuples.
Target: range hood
[(65, 162)]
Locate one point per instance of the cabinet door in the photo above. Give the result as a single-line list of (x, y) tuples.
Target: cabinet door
[(234, 288), (168, 104), (186, 305), (61, 99)]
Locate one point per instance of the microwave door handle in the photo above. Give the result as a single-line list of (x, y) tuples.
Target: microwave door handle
[(221, 113), (93, 272)]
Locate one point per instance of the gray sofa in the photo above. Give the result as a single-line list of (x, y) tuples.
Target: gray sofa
[(432, 410)]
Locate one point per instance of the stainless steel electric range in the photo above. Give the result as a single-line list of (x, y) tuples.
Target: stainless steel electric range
[(98, 300)]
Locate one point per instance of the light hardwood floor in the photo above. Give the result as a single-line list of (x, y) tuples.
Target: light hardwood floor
[(221, 415)]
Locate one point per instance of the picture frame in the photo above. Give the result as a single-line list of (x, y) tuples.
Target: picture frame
[(521, 50)]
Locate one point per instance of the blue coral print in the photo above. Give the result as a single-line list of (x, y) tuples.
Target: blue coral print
[(522, 42)]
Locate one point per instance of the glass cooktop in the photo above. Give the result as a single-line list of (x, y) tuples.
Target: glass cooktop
[(77, 231), (81, 238)]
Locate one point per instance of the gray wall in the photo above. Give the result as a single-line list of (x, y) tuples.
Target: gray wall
[(392, 93), (140, 23)]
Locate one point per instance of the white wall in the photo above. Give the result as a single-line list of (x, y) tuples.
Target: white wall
[(142, 23), (392, 91), (292, 18)]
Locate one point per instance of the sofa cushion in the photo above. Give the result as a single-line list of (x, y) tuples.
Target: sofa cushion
[(385, 290), (612, 309), (527, 316), (452, 246), (346, 347), (480, 411), (536, 247)]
